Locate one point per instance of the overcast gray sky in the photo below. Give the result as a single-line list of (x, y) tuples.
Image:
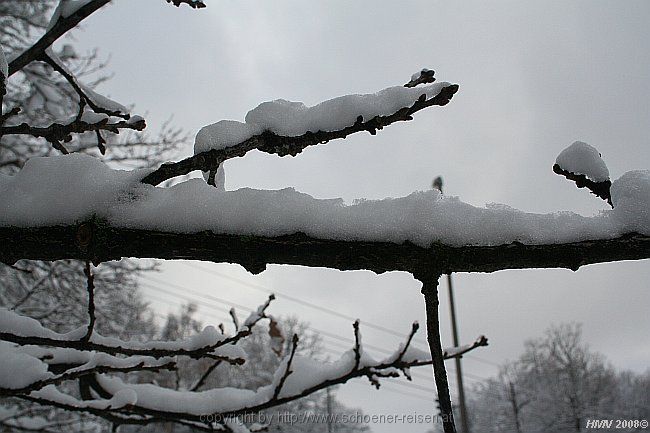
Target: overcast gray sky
[(533, 76)]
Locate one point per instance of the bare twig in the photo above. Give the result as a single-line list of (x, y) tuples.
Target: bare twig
[(199, 383), (426, 76), (51, 59), (91, 301), (287, 370), (357, 345), (235, 320), (414, 329)]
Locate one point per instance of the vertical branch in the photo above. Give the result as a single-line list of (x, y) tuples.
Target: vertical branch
[(357, 345), (91, 301), (430, 292), (3, 77)]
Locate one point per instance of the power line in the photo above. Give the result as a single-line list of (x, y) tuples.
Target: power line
[(295, 299), (227, 302), (314, 306), (319, 331), (327, 350)]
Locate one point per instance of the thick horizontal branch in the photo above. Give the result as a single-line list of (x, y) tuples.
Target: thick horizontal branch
[(100, 242), (270, 142)]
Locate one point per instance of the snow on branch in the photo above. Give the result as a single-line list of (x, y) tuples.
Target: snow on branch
[(583, 164), (195, 4), (209, 343), (76, 207), (62, 22), (286, 128), (59, 133), (296, 377), (67, 15), (96, 113), (37, 373)]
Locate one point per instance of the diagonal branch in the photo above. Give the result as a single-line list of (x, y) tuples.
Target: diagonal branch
[(287, 370), (270, 142), (61, 27), (599, 189), (65, 24), (56, 64)]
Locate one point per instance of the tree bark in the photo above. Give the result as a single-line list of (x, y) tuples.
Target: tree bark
[(430, 292), (98, 241)]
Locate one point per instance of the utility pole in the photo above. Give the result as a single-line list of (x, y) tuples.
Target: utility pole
[(464, 424)]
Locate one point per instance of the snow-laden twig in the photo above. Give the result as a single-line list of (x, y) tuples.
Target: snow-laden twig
[(63, 23), (58, 133), (209, 344), (582, 164), (56, 29), (274, 143), (195, 4), (295, 377)]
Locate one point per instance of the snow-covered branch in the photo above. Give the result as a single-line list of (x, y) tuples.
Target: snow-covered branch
[(209, 344), (582, 164), (195, 4), (287, 128), (295, 377), (67, 16)]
